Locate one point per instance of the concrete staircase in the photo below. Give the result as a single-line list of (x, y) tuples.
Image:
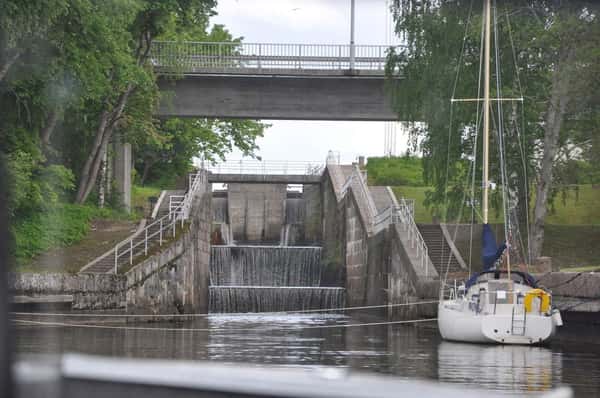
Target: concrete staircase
[(106, 262), (439, 249), (381, 197)]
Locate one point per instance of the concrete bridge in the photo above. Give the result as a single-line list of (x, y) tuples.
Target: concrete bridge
[(273, 81)]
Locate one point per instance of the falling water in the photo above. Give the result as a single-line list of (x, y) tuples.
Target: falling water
[(274, 299), (265, 266), (219, 208)]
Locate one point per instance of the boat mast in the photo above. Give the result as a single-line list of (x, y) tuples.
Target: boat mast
[(486, 115), (486, 111)]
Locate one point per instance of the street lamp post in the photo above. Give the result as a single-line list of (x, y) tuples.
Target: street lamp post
[(351, 34)]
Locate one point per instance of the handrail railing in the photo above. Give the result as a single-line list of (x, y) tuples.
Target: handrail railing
[(140, 243), (193, 56), (403, 215), (283, 167)]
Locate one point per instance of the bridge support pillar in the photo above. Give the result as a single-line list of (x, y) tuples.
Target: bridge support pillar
[(122, 173)]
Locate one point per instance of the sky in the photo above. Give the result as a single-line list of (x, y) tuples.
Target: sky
[(312, 22)]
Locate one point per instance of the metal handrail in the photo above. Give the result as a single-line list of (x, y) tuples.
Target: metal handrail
[(231, 55), (404, 216), (285, 167), (178, 212)]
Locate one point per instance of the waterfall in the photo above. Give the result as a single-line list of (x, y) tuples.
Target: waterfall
[(265, 266), (236, 299), (263, 277), (219, 209)]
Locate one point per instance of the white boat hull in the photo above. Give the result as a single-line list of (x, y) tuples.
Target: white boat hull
[(468, 326)]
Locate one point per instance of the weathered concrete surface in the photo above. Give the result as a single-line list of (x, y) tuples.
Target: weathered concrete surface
[(356, 254), (572, 284), (89, 291), (277, 97), (333, 231), (311, 194), (407, 282), (122, 173), (256, 211), (176, 279), (264, 178)]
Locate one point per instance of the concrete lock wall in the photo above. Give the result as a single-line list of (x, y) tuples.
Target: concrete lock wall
[(256, 211), (176, 279), (89, 291), (333, 236), (312, 213), (356, 255), (406, 285)]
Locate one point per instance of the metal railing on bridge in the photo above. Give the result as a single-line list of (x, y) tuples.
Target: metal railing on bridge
[(206, 57), (281, 167)]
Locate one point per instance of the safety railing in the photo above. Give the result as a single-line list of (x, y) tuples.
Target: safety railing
[(176, 208), (403, 216), (282, 167), (198, 56), (161, 229)]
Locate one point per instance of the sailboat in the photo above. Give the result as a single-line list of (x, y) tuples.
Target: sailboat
[(496, 305)]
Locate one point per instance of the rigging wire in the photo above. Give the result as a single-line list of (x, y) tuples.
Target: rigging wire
[(460, 61), (521, 142), (68, 314), (500, 131), (475, 140), (163, 329)]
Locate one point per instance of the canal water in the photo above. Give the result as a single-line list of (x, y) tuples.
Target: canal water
[(406, 351)]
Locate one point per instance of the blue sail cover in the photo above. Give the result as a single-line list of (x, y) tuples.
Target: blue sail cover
[(490, 252)]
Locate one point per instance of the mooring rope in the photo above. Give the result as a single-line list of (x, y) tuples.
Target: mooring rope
[(50, 314), (161, 329)]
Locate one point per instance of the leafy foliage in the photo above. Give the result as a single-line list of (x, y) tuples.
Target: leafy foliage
[(406, 170), (441, 61), (75, 77)]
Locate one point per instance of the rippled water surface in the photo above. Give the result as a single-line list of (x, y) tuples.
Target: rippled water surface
[(311, 340)]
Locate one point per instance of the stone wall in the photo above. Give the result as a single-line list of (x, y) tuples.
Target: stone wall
[(312, 213), (408, 284), (256, 211), (176, 279), (89, 291), (333, 235), (378, 261), (356, 254)]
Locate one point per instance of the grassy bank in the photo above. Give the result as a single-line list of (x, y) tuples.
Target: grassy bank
[(61, 226), (572, 226), (66, 225), (579, 206)]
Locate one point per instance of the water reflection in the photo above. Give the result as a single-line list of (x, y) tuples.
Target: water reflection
[(511, 368), (300, 340)]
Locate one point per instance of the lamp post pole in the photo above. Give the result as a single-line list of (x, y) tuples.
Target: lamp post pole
[(351, 34)]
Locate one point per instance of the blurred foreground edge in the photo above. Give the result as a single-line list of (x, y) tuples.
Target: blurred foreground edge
[(76, 376)]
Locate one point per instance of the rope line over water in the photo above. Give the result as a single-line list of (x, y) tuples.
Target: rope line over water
[(161, 329), (72, 315)]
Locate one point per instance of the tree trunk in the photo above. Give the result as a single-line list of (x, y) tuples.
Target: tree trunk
[(553, 122), (108, 120), (85, 172), (103, 175), (48, 128), (148, 163), (11, 60)]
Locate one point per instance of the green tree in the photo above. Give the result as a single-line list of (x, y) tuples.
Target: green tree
[(170, 151), (549, 42)]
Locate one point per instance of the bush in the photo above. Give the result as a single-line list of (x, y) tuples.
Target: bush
[(406, 170), (61, 225)]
